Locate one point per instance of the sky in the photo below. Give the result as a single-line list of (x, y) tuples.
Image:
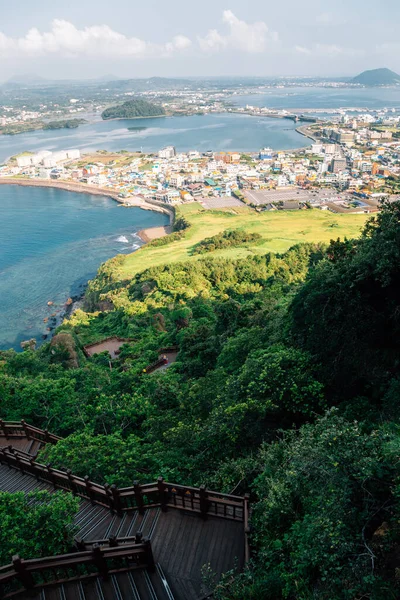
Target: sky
[(176, 38)]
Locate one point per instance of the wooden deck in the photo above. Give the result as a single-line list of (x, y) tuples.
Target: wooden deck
[(182, 543)]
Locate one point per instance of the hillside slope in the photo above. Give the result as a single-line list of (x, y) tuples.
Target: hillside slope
[(279, 230), (377, 77)]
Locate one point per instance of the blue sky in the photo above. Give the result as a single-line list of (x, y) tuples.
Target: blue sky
[(90, 38)]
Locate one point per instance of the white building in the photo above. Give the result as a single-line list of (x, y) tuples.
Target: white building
[(60, 156), (49, 162), (73, 154), (167, 152), (24, 161)]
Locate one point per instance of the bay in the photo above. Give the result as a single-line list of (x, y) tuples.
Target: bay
[(199, 132), (323, 97), (207, 132), (51, 243)]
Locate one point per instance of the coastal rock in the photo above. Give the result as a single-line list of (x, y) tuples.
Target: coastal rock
[(50, 303)]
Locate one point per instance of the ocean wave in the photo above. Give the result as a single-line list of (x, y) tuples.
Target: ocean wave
[(123, 239)]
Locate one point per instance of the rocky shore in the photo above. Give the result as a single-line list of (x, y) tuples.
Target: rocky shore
[(57, 314)]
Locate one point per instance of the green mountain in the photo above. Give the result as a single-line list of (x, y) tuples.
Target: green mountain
[(377, 77), (133, 109)]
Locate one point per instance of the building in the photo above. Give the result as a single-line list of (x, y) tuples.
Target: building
[(73, 154), (338, 164), (167, 152), (24, 161), (265, 154), (176, 180)]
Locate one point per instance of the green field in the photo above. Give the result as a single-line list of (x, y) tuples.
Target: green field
[(279, 230)]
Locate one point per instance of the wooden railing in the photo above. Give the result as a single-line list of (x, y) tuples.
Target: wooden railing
[(20, 429), (155, 365), (98, 560), (138, 497)]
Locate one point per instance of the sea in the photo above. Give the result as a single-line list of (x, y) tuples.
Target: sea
[(51, 243), (198, 132)]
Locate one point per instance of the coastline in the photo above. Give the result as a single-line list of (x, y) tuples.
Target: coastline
[(146, 235)]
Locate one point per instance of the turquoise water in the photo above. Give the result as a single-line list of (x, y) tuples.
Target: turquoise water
[(51, 243)]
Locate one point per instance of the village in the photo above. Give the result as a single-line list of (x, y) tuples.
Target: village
[(352, 164)]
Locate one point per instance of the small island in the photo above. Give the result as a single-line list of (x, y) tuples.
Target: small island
[(14, 129), (133, 109), (376, 77)]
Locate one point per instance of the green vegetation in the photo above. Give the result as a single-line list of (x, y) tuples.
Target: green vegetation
[(180, 227), (279, 230), (226, 239), (36, 524), (66, 124), (133, 109), (37, 125), (286, 385), (377, 77)]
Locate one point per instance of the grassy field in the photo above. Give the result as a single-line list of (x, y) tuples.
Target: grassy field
[(279, 230), (119, 159)]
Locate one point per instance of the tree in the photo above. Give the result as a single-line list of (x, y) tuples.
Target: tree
[(36, 524)]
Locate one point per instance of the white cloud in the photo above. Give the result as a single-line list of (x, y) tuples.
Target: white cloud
[(328, 51), (247, 37), (65, 39), (302, 50)]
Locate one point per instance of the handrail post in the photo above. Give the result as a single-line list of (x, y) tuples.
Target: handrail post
[(109, 496), (203, 501), (26, 429), (33, 468), (149, 555), (71, 481), (88, 488), (22, 574), (51, 475), (4, 429), (138, 537), (100, 561), (246, 528), (162, 494), (116, 499), (138, 497), (113, 541), (20, 465)]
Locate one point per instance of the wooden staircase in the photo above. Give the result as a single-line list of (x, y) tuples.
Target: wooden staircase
[(132, 585), (183, 528)]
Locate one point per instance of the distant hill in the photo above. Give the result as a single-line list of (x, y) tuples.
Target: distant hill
[(133, 109), (377, 77)]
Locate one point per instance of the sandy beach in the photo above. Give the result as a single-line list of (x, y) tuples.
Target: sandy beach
[(153, 233)]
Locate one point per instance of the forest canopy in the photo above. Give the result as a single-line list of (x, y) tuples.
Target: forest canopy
[(286, 385), (132, 109)]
